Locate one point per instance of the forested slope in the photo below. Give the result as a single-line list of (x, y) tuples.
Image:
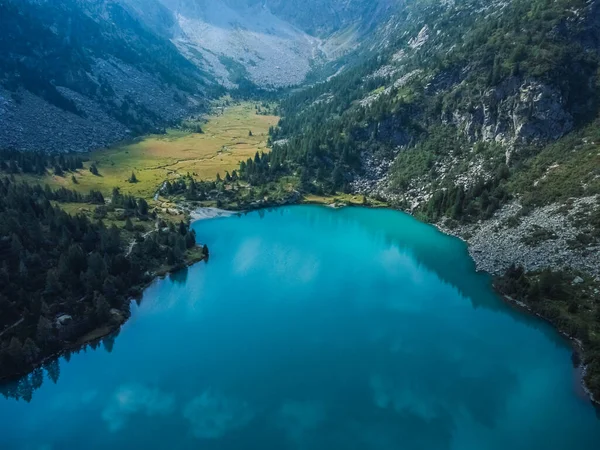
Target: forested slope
[(63, 277)]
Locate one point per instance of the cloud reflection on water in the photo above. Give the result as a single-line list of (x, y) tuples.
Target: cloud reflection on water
[(131, 399), (212, 415)]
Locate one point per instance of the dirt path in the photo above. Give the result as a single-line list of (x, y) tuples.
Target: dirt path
[(133, 242)]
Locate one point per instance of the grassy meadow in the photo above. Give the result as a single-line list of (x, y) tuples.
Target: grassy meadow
[(225, 141)]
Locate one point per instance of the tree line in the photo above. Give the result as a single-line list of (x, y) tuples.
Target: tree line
[(62, 276), (37, 163)]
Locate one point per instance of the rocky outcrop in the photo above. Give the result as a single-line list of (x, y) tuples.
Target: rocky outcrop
[(546, 237), (515, 113)]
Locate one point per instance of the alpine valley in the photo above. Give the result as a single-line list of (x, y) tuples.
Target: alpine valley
[(123, 120)]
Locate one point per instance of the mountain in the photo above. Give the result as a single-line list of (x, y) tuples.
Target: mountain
[(80, 74), (323, 17), (479, 116), (270, 43)]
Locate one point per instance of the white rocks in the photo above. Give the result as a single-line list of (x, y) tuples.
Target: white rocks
[(494, 245), (516, 113), (420, 39), (577, 280), (209, 213), (400, 82), (63, 320)]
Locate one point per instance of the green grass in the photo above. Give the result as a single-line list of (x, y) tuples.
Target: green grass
[(156, 158)]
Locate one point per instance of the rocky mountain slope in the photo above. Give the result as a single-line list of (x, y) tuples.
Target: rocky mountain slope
[(457, 110), (269, 42), (243, 41), (82, 74)]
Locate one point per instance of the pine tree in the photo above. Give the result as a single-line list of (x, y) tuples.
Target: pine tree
[(30, 351), (15, 351), (44, 331), (142, 207), (52, 285), (101, 308)]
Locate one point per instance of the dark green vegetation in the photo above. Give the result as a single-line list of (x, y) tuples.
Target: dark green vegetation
[(35, 163), (65, 277), (567, 168), (567, 305), (231, 192)]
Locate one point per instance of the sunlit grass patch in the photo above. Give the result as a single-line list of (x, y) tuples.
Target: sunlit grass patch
[(231, 134)]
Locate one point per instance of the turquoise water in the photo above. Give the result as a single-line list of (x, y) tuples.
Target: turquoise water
[(314, 328)]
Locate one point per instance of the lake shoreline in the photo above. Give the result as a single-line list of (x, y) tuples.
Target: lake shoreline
[(207, 213), (578, 346), (113, 326)]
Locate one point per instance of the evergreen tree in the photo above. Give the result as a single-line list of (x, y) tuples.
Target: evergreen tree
[(44, 331), (30, 351)]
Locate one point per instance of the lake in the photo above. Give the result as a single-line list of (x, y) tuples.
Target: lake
[(315, 328)]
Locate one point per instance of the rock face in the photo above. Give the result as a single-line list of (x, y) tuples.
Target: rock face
[(516, 113)]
